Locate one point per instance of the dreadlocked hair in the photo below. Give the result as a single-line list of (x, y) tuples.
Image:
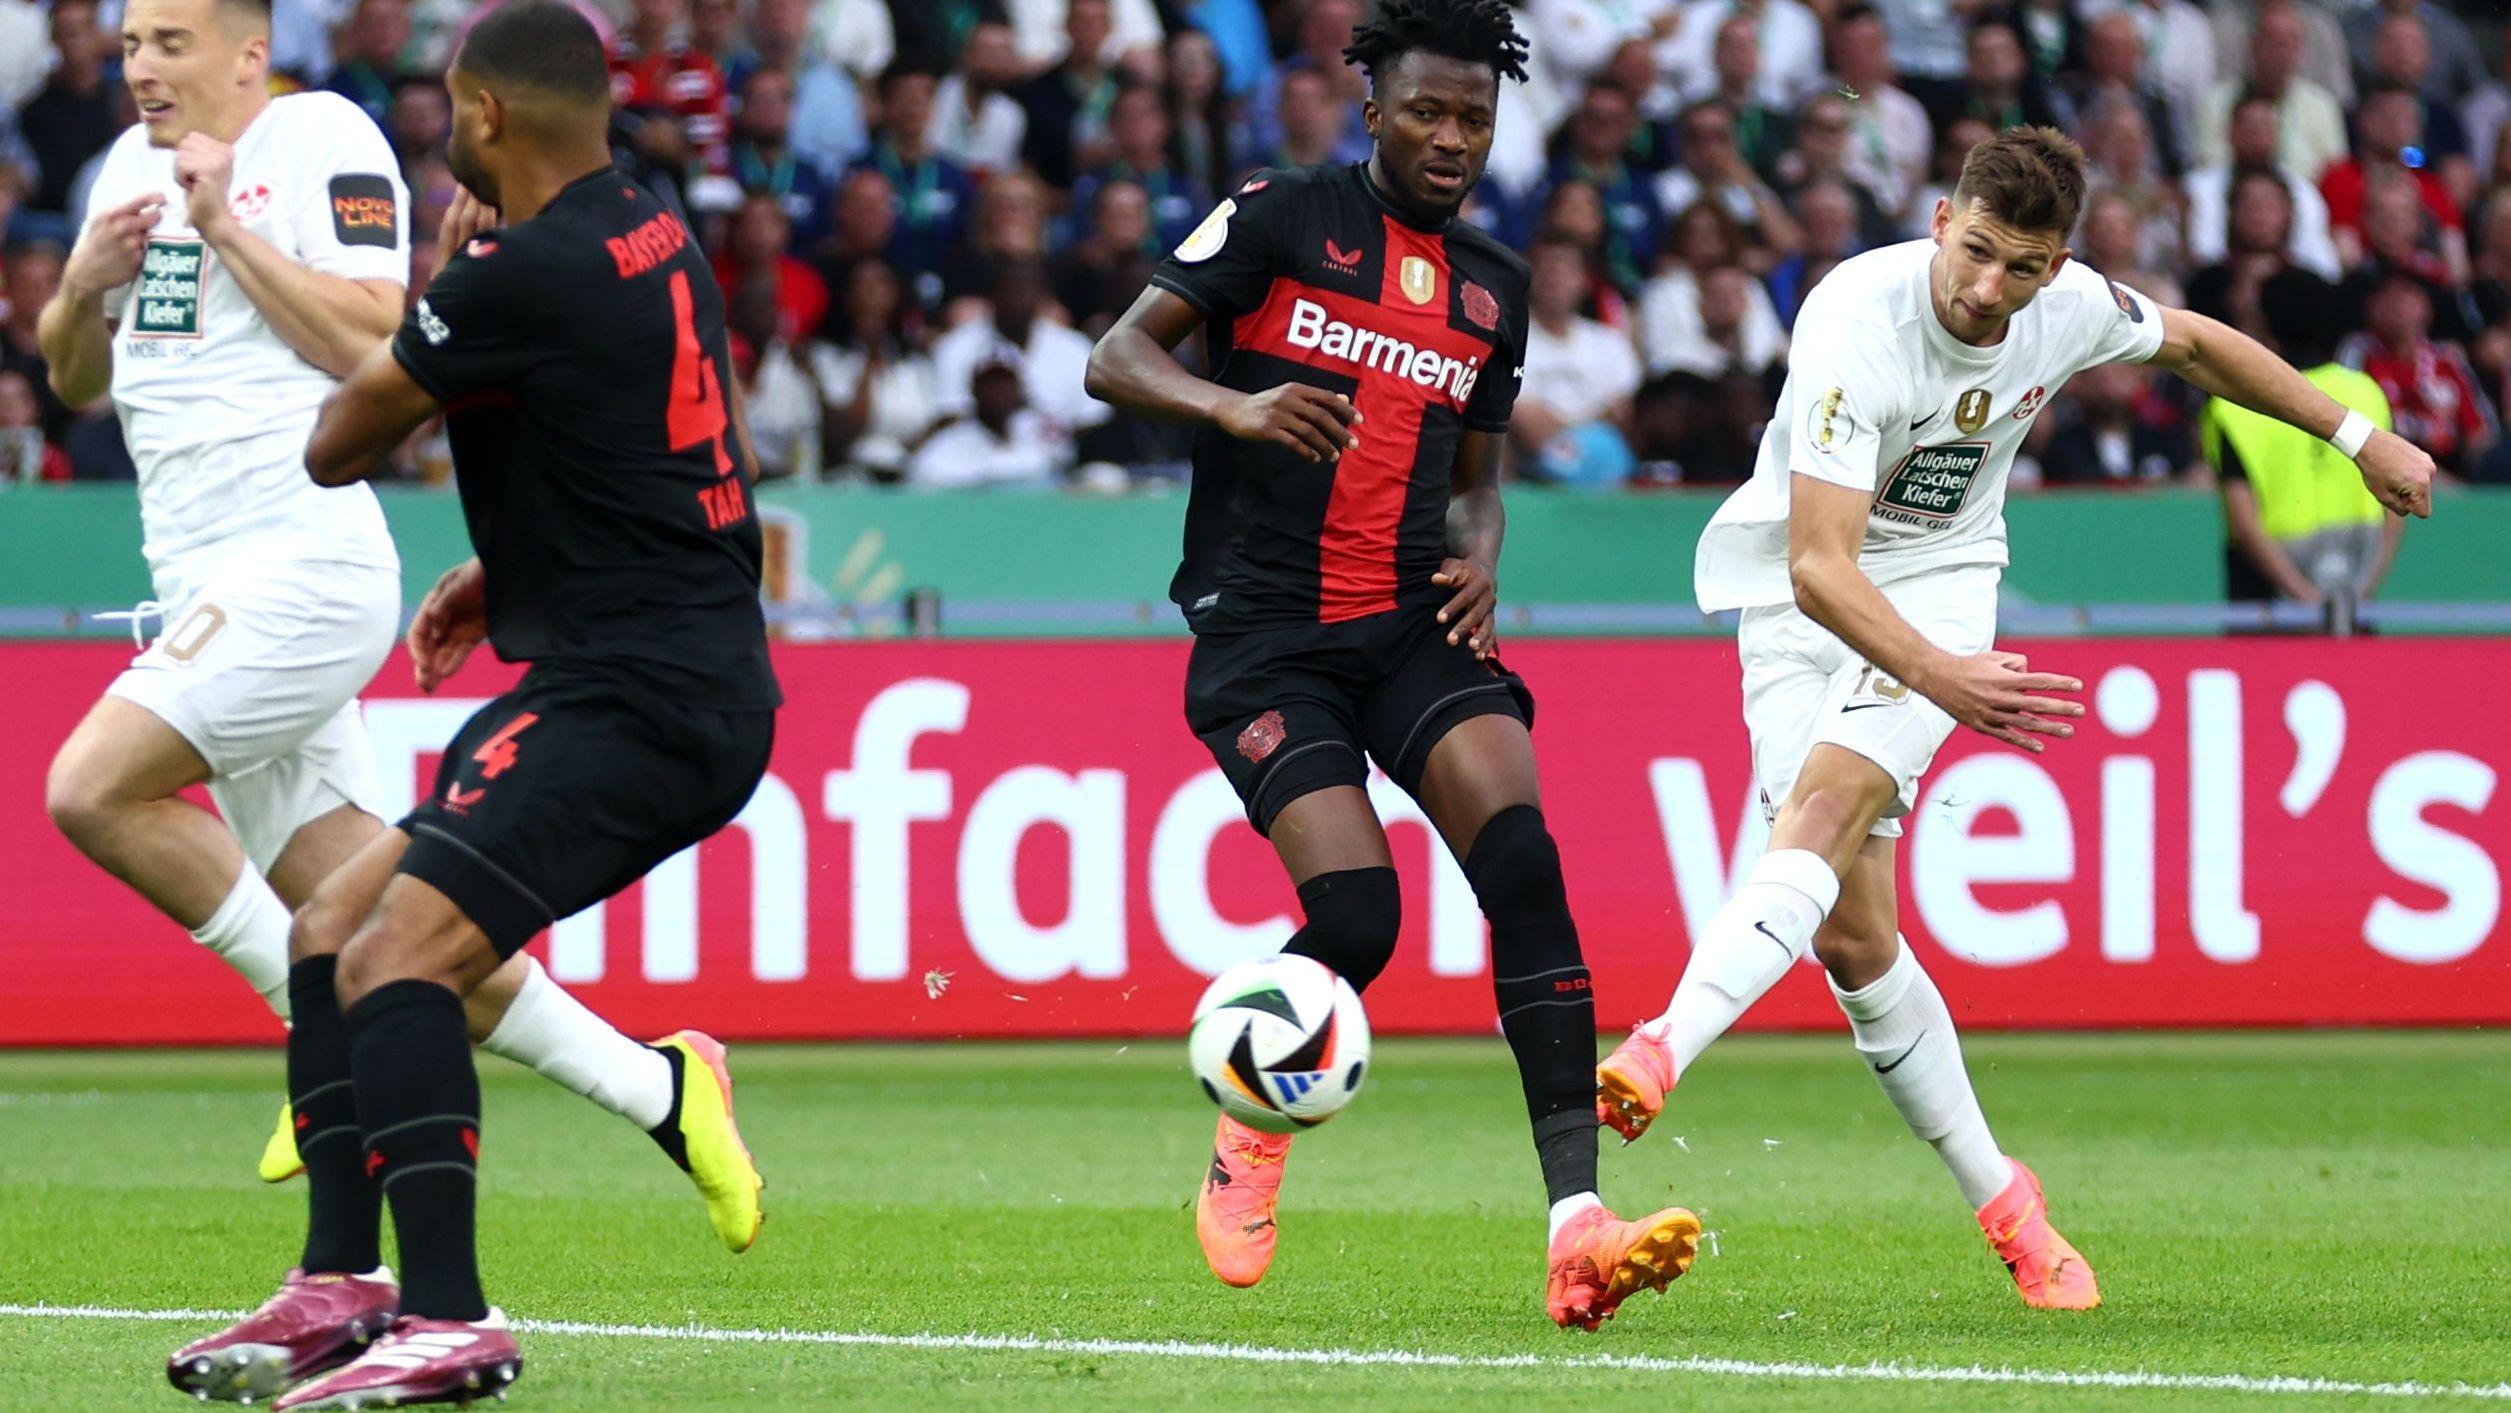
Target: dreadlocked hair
[(1474, 31)]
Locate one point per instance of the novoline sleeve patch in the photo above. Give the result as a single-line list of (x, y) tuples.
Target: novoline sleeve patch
[(363, 211)]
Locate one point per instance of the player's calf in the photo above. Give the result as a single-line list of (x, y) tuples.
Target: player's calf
[(1540, 986)]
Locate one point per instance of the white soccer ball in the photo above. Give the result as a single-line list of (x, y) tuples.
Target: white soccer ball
[(1280, 1044)]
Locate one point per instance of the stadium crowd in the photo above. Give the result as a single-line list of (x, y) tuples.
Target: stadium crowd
[(921, 212)]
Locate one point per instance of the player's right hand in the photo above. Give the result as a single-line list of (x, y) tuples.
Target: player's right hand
[(451, 620), (1993, 693), (465, 218), (1310, 421), (108, 253)]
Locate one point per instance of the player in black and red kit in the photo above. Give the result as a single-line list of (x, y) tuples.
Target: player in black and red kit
[(579, 352), (1341, 542)]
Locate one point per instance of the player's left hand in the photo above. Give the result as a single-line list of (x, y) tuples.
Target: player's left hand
[(1468, 615), (2399, 473), (451, 620), (204, 167)]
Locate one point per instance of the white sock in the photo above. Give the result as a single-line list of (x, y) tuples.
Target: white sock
[(1569, 1207), (1767, 927), (249, 932), (1905, 1032), (553, 1033)]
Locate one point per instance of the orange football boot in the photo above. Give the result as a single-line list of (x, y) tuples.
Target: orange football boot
[(1599, 1261), (2049, 1272), (1632, 1082), (1233, 1213)]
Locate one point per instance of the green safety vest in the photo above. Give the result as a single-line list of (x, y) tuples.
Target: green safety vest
[(2303, 485)]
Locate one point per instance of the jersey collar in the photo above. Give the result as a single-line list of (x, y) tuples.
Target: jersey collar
[(1387, 203)]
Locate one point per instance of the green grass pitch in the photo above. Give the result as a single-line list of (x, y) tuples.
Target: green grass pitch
[(2323, 1206)]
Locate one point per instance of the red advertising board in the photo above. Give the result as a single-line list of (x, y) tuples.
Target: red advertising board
[(1021, 839)]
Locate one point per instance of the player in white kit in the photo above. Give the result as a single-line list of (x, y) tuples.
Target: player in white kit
[(1865, 554), (247, 253)]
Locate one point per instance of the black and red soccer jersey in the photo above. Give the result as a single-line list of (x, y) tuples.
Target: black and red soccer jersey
[(1311, 275), (582, 358)]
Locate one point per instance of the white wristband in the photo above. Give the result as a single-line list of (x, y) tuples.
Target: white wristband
[(2350, 435)]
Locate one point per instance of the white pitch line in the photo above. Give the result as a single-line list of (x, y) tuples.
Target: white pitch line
[(1411, 1359)]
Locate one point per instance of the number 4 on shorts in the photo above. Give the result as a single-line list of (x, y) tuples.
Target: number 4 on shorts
[(498, 752)]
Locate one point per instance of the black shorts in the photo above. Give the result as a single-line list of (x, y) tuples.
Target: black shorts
[(1292, 710), (568, 789)]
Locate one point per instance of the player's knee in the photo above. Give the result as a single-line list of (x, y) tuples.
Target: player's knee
[(320, 928), (1352, 919), (1515, 868), (79, 799)]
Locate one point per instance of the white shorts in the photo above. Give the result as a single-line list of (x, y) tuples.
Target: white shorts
[(260, 669), (1803, 687)]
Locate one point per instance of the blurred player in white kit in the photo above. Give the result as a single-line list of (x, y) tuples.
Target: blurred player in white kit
[(245, 253), (1864, 555)]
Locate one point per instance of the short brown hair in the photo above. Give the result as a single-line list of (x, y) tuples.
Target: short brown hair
[(2030, 178)]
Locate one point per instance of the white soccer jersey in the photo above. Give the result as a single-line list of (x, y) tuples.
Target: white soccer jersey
[(214, 404), (1881, 397)]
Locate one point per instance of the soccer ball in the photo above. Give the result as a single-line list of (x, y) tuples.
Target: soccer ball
[(1280, 1043)]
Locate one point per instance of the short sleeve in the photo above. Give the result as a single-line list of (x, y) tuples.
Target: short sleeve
[(1226, 266), (112, 187), (1839, 397), (1495, 391), (2114, 323), (475, 328), (352, 212)]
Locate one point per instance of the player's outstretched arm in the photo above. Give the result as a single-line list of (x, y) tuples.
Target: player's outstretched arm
[(1476, 524), (374, 411), (1132, 368), (1994, 693), (2231, 365)]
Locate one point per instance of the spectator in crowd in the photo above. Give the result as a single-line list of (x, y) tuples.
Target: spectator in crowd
[(1211, 136), (1067, 104), (1324, 27), (2324, 60), (2123, 163), (975, 121), (2114, 77), (2400, 238), (2179, 47), (929, 35), (1141, 151), (2258, 243), (1763, 130), (1999, 87), (2256, 140), (2098, 440), (1581, 37), (369, 72), (1312, 126), (2310, 123), (71, 118), (2457, 66), (1674, 327), (1889, 139), (1684, 434), (715, 31), (1654, 140), (24, 59), (1109, 266), (1714, 171), (929, 193), (1595, 145), (1788, 42), (652, 67), (758, 250), (2402, 55), (780, 392), (1239, 37), (764, 159), (1052, 360), (1822, 154), (417, 123), (2298, 522), (1572, 421), (1827, 210), (865, 223), (878, 392), (2435, 398), (1952, 145), (25, 454), (1928, 49), (859, 37), (1001, 442), (1573, 213), (1043, 35), (826, 128), (1010, 224), (2487, 112), (2051, 35), (34, 277), (2111, 237), (2390, 125)]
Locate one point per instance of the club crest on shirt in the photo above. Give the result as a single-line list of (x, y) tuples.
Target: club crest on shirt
[(1481, 307), (1208, 238), (1971, 413), (2030, 404), (1418, 279), (250, 202)]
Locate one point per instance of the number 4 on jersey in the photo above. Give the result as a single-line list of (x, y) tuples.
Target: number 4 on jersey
[(696, 415)]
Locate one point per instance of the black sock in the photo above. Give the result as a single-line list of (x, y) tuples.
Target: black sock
[(1353, 917), (1539, 979), (667, 1134), (344, 1212), (418, 1100)]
